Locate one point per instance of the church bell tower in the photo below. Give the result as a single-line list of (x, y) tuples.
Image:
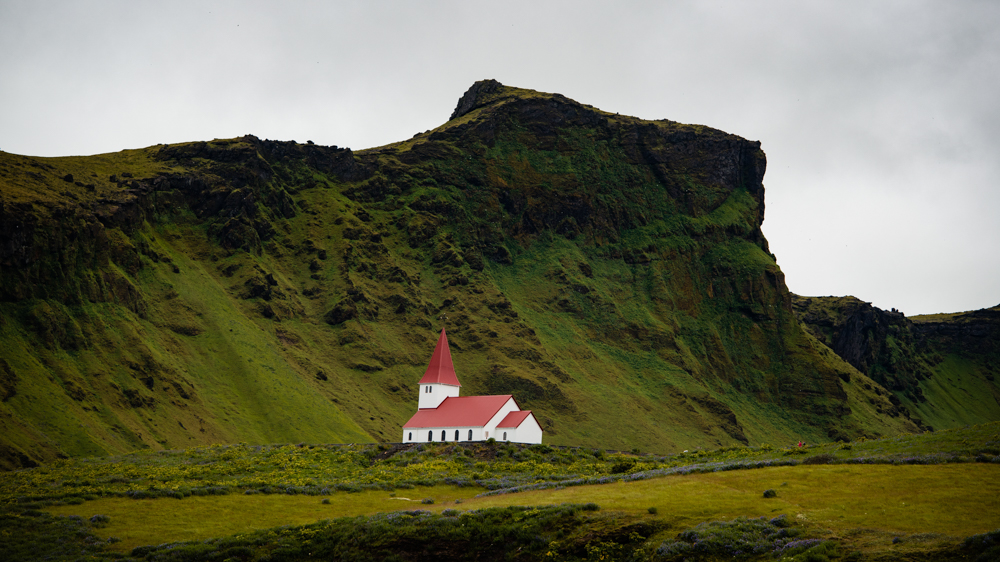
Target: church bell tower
[(439, 381)]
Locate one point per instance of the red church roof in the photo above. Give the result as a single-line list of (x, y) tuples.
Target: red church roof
[(465, 411), (441, 370), (514, 419)]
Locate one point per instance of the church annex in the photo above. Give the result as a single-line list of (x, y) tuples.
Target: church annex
[(443, 415)]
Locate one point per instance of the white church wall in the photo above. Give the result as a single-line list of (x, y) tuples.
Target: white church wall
[(490, 429), (529, 431), (432, 395), (433, 434)]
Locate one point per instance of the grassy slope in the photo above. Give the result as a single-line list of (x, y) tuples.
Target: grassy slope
[(160, 333), (938, 369), (964, 387), (194, 368)]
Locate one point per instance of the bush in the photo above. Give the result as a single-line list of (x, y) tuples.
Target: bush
[(770, 494), (326, 501), (427, 501), (99, 520), (986, 545), (820, 459), (738, 538), (653, 510), (622, 466)]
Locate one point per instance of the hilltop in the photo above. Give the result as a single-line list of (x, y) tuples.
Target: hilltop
[(608, 271)]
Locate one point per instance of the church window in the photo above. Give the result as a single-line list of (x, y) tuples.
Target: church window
[(456, 435), (430, 435), (505, 436), (410, 438), (442, 436), (470, 435)]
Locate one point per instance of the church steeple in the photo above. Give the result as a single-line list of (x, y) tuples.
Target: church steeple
[(439, 381)]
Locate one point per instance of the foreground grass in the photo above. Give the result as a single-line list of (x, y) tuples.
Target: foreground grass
[(323, 469), (898, 500), (156, 521), (915, 495)]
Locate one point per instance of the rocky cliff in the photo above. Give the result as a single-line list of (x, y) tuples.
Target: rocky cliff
[(608, 271), (942, 367)]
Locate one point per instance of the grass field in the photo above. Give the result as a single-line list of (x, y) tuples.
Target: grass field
[(917, 496), (894, 500)]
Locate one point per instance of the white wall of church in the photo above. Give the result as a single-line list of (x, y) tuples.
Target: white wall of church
[(528, 432), (434, 435), (432, 395), (490, 430)]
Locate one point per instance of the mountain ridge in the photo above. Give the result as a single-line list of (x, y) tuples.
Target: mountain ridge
[(599, 267)]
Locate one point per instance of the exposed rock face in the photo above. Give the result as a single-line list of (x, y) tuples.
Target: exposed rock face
[(859, 333), (475, 97), (900, 352), (971, 333)]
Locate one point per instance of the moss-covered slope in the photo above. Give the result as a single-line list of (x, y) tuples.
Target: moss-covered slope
[(941, 367), (608, 271)]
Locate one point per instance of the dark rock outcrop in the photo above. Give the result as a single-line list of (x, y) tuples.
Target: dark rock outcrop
[(900, 352), (475, 97)]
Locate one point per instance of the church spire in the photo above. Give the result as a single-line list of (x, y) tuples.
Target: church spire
[(441, 370)]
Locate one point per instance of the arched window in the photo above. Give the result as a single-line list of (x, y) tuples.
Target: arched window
[(505, 436), (430, 435), (470, 435), (443, 438), (410, 438), (456, 435)]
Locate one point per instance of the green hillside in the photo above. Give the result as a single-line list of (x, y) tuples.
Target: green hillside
[(608, 271), (941, 367)]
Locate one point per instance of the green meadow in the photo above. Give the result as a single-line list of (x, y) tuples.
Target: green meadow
[(931, 496)]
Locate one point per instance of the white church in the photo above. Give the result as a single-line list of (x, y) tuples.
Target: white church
[(443, 415)]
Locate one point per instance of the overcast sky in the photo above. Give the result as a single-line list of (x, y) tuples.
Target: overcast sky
[(880, 120)]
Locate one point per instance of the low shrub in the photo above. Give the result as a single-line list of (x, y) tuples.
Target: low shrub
[(820, 459), (770, 494), (622, 466), (740, 538), (652, 511), (985, 545), (500, 533)]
